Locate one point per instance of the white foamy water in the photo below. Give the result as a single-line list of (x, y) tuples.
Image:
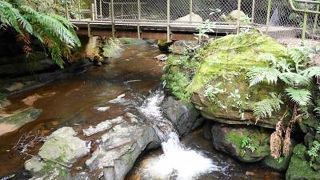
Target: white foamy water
[(177, 160)]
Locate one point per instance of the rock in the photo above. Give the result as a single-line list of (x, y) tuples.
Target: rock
[(299, 167), (192, 16), (280, 164), (15, 86), (132, 41), (163, 46), (182, 47), (161, 57), (183, 115), (233, 16), (30, 100), (243, 143), (207, 129), (105, 125), (92, 49), (112, 48), (61, 149), (119, 149), (17, 119), (220, 87)]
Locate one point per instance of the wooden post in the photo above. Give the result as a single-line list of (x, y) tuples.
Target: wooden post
[(239, 14), (268, 15), (253, 11), (315, 22), (100, 12), (191, 10), (89, 29), (79, 10), (168, 21), (112, 20), (305, 19), (94, 10), (139, 18)]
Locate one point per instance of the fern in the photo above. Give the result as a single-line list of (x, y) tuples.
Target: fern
[(311, 72), (265, 107), (299, 55), (294, 79), (300, 96), (260, 74), (52, 30)]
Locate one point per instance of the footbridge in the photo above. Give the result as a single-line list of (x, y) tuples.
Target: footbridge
[(170, 19)]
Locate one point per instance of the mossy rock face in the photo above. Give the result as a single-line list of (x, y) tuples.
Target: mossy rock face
[(242, 143), (299, 167), (280, 164), (223, 69)]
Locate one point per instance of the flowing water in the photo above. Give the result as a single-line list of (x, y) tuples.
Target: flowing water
[(174, 162), (88, 98)]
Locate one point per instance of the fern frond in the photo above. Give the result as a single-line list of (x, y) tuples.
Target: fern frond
[(294, 79), (260, 74), (265, 107), (300, 96), (299, 55), (311, 72)]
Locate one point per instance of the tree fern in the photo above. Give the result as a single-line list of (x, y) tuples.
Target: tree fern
[(311, 72), (265, 107), (300, 96), (261, 74), (294, 79), (56, 32)]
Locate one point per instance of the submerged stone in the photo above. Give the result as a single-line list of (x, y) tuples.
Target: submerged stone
[(15, 120)]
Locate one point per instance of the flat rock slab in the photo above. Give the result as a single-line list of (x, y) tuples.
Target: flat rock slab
[(12, 122)]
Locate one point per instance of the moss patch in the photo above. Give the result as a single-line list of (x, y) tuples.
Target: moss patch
[(249, 144), (299, 167)]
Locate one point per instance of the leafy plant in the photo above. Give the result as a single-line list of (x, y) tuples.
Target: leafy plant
[(54, 31), (314, 152), (292, 72), (203, 30), (265, 107), (246, 143)]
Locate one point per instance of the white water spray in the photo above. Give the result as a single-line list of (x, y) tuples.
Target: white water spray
[(177, 161)]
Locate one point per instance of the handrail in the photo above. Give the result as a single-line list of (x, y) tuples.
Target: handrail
[(302, 10)]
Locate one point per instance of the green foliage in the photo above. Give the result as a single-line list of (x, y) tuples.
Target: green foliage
[(203, 30), (265, 107), (314, 152), (52, 30), (300, 96), (246, 143), (293, 72)]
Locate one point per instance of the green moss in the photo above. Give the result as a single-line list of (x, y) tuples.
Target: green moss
[(299, 167), (52, 166), (257, 145), (280, 164)]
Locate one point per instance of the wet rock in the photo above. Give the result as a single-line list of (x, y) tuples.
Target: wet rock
[(207, 129), (192, 16), (15, 120), (242, 143), (161, 57), (164, 46), (112, 48), (132, 41), (61, 149), (105, 125), (299, 167), (182, 47), (220, 87), (119, 149), (182, 114), (92, 50), (280, 164)]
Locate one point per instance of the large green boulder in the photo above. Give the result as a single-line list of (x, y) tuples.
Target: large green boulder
[(220, 87)]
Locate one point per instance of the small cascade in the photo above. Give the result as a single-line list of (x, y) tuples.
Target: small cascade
[(177, 161)]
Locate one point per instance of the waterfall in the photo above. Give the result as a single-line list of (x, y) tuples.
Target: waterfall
[(177, 161)]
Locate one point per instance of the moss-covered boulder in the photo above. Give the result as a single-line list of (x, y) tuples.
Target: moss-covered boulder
[(299, 167), (280, 164), (220, 87), (242, 143)]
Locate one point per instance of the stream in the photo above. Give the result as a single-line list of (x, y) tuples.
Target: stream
[(86, 99)]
